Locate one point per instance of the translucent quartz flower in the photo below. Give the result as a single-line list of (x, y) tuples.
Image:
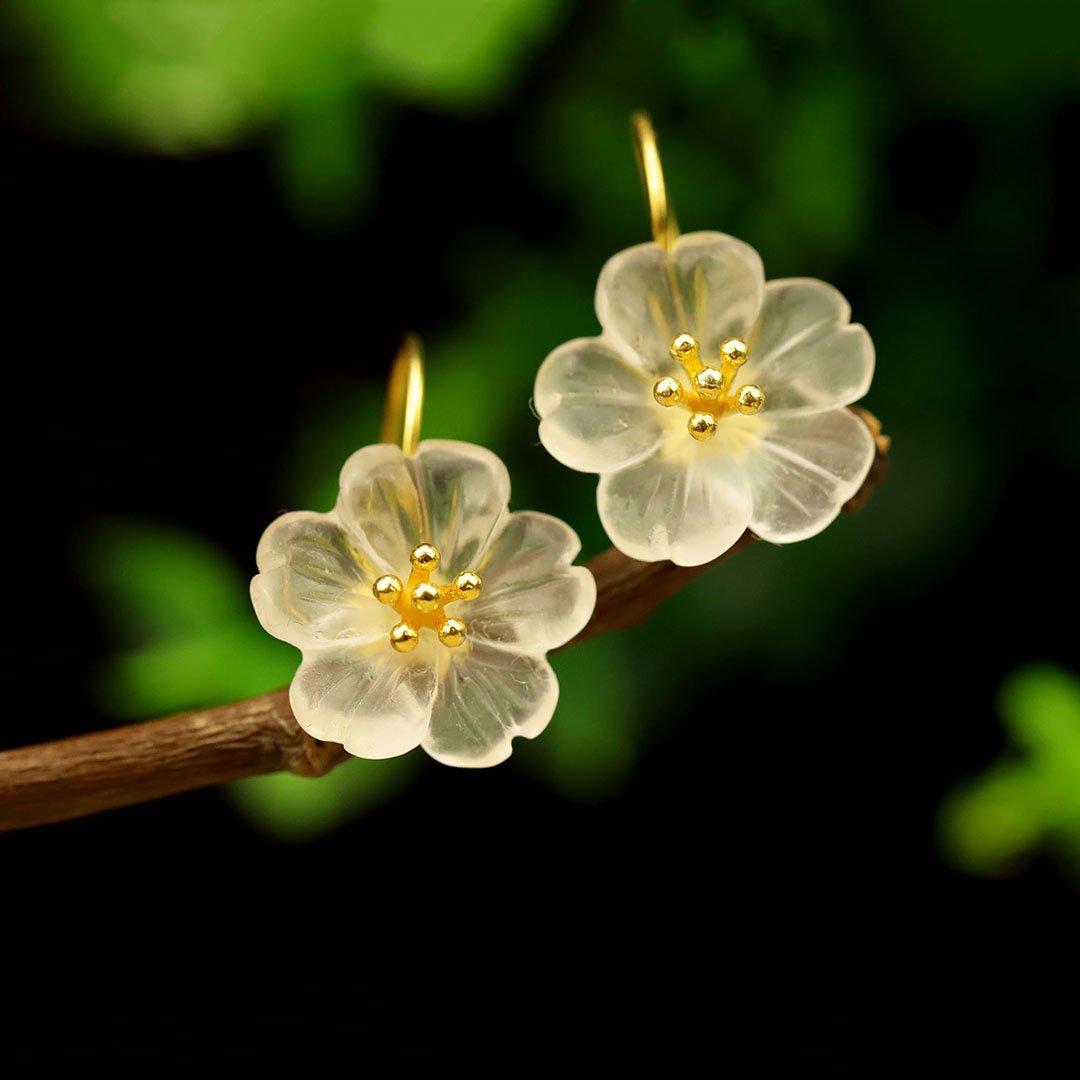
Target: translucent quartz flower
[(711, 402), (424, 542)]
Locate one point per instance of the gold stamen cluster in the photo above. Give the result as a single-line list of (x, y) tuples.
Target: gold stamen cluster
[(420, 602), (706, 400)]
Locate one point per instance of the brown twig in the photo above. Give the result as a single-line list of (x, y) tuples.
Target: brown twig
[(107, 769)]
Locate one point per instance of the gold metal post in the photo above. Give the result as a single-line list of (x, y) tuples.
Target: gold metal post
[(665, 229), (405, 397)]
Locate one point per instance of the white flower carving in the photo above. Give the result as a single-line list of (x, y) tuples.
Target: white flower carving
[(711, 402), (422, 606)]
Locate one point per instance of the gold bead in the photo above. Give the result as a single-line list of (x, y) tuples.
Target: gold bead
[(452, 633), (467, 585), (684, 347), (425, 596), (387, 589), (667, 391), (404, 637), (702, 426), (425, 557), (709, 382), (734, 351), (749, 399)]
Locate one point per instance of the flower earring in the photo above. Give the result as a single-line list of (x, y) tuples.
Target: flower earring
[(423, 608), (713, 401)]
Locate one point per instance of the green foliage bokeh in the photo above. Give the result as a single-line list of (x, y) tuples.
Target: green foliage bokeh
[(182, 76)]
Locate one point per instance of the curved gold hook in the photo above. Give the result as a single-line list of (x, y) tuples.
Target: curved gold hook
[(405, 397), (665, 229)]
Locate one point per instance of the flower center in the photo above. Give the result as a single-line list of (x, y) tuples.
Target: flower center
[(420, 602), (706, 399)]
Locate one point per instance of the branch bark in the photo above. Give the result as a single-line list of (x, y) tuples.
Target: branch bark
[(121, 766)]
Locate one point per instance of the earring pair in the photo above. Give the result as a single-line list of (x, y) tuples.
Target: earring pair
[(711, 402)]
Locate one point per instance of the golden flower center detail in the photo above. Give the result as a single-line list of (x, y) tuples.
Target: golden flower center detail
[(421, 603), (706, 399)]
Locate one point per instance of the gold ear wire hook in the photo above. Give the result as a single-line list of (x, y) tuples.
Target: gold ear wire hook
[(405, 397), (665, 229)]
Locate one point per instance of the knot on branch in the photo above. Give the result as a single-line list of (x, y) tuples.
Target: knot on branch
[(288, 747)]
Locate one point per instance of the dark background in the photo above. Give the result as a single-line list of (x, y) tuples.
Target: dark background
[(762, 891)]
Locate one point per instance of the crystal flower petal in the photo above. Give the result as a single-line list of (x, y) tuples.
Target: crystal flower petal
[(422, 606)]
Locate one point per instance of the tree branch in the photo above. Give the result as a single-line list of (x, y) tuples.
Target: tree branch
[(107, 769)]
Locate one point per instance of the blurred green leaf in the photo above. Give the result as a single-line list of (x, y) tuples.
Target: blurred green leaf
[(180, 609), (1023, 803), (177, 76), (453, 50), (589, 750), (986, 826), (158, 582), (214, 664), (1041, 709), (820, 167), (323, 156), (299, 808)]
